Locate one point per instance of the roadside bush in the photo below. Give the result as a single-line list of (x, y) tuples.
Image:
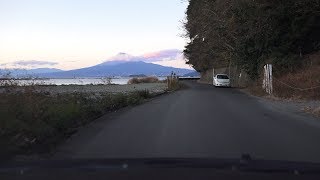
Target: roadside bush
[(106, 80), (145, 94), (173, 83), (33, 122), (143, 80)]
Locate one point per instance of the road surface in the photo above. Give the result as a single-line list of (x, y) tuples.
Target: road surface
[(199, 122)]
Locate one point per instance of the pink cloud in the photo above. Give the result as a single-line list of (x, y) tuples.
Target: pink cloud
[(163, 55), (170, 57), (151, 55)]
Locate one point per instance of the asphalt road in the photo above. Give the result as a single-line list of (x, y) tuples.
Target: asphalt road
[(199, 122)]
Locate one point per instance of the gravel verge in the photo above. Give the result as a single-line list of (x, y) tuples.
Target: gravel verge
[(293, 106)]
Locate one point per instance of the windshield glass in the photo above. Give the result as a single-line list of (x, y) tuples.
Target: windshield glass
[(121, 79), (222, 77)]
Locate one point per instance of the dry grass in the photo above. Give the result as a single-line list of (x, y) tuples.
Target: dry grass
[(173, 83), (316, 111), (299, 81), (143, 80), (310, 110), (256, 90), (302, 84)]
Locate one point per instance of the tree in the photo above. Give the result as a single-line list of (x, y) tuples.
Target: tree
[(250, 33)]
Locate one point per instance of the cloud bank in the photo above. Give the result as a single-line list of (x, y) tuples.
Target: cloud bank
[(165, 55), (29, 64), (169, 57)]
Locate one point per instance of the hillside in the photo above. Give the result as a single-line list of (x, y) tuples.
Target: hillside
[(118, 68), (248, 34), (192, 74)]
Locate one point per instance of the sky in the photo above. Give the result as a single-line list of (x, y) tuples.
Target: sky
[(71, 34)]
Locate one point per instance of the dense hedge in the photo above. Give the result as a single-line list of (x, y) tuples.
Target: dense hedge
[(250, 33)]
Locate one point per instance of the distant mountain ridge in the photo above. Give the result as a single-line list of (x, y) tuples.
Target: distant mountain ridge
[(118, 68), (121, 64), (27, 72), (192, 74)]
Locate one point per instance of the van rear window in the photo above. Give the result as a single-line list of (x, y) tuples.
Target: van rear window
[(222, 77)]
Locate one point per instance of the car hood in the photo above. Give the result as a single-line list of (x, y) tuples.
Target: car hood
[(243, 164)]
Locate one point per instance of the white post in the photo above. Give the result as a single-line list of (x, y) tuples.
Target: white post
[(264, 83), (213, 76), (267, 79), (270, 79)]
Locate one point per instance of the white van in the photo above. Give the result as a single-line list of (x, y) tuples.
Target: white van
[(221, 80)]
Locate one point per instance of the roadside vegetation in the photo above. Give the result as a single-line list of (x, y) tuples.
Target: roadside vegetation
[(173, 83), (249, 34), (34, 121), (107, 80), (301, 84), (140, 80)]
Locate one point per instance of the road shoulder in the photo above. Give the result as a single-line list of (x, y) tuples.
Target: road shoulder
[(298, 109)]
